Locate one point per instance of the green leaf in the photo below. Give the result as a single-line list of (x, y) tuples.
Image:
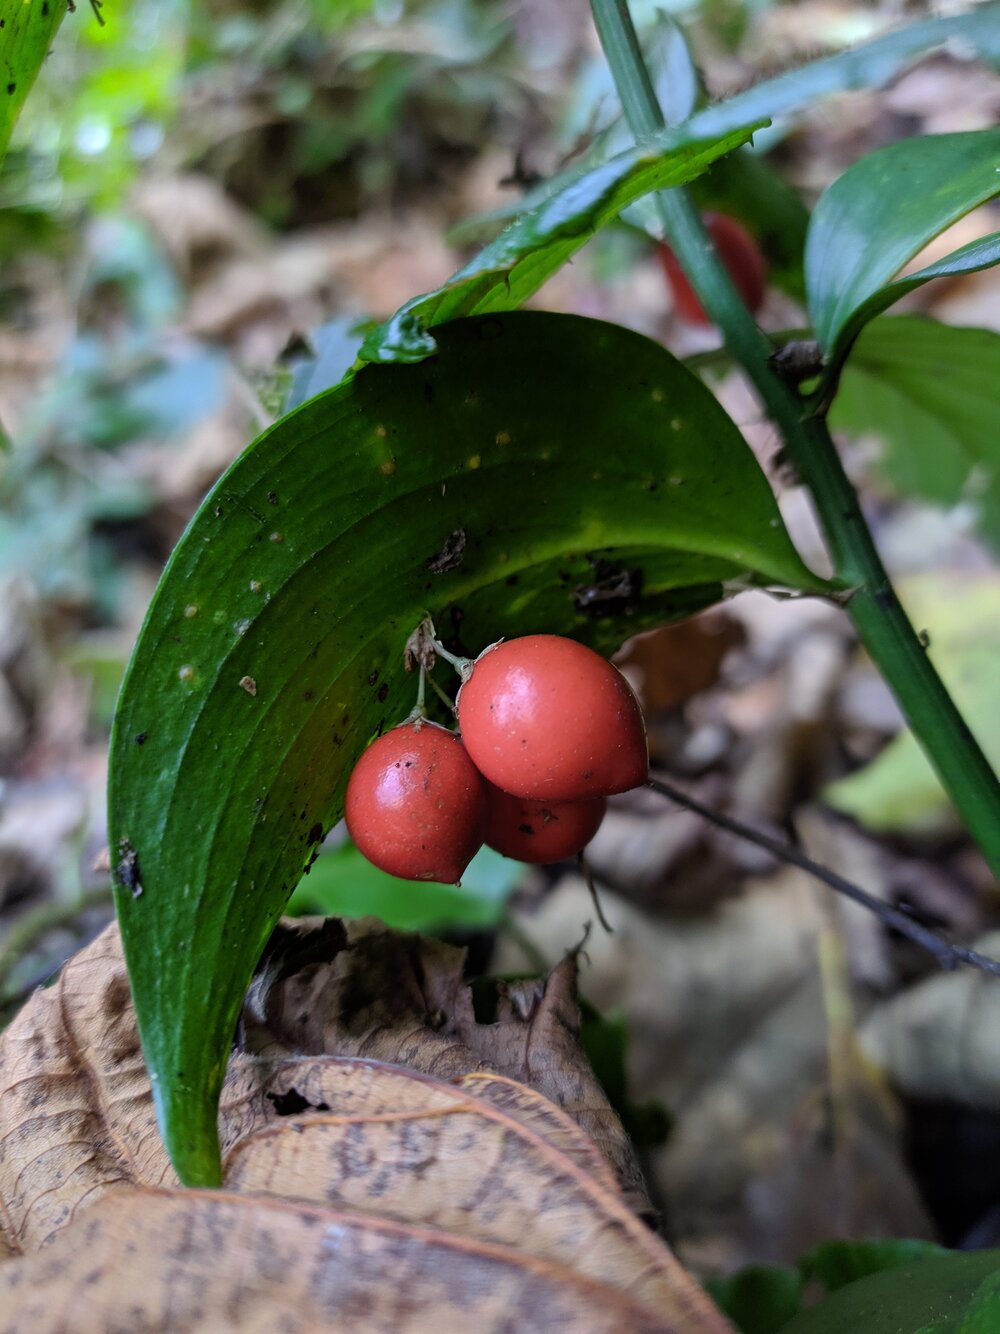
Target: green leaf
[(928, 391), (342, 883), (604, 1039), (27, 34), (898, 791), (516, 264), (929, 1296), (837, 1263), (272, 651), (983, 1313), (759, 1299), (879, 214), (870, 65)]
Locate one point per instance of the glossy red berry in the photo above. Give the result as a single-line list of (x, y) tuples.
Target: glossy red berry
[(740, 254), (540, 831), (547, 718), (416, 804)]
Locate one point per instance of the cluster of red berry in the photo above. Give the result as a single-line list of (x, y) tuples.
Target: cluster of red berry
[(549, 729)]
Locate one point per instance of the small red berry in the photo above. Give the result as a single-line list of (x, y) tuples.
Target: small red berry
[(740, 254), (547, 718), (540, 831), (416, 804)]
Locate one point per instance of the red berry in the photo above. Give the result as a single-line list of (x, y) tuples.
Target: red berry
[(740, 254), (540, 831), (546, 718), (416, 804)]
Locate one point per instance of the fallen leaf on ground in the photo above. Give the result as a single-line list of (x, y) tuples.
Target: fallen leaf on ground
[(941, 1038), (357, 1194)]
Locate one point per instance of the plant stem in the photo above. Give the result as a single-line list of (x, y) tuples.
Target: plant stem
[(873, 606)]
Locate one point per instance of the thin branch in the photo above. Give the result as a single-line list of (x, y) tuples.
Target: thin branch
[(592, 890), (947, 955)]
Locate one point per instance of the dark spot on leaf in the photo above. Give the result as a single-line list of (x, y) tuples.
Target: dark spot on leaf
[(315, 834), (272, 497), (381, 727), (140, 738), (450, 555), (307, 695), (611, 591), (127, 868), (511, 580), (12, 88), (372, 677), (383, 693)]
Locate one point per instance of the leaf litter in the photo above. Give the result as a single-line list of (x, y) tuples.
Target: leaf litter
[(369, 1127)]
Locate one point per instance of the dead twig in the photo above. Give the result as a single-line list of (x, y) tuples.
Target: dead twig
[(948, 956)]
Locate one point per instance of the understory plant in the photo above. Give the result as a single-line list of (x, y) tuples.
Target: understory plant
[(490, 466)]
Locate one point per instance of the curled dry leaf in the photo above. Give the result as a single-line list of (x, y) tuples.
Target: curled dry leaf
[(400, 998), (358, 1195)]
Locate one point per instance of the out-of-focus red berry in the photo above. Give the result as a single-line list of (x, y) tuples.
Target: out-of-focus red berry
[(549, 719), (740, 254), (416, 804)]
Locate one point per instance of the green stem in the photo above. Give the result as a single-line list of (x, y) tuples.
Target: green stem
[(873, 606)]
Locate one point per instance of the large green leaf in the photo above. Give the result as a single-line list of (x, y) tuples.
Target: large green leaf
[(880, 213), (928, 391), (538, 243), (929, 1296), (837, 1263), (25, 37), (486, 485)]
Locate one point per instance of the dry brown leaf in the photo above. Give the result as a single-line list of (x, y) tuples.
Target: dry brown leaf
[(199, 1260), (484, 1201), (941, 1038), (461, 1165), (403, 999)]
